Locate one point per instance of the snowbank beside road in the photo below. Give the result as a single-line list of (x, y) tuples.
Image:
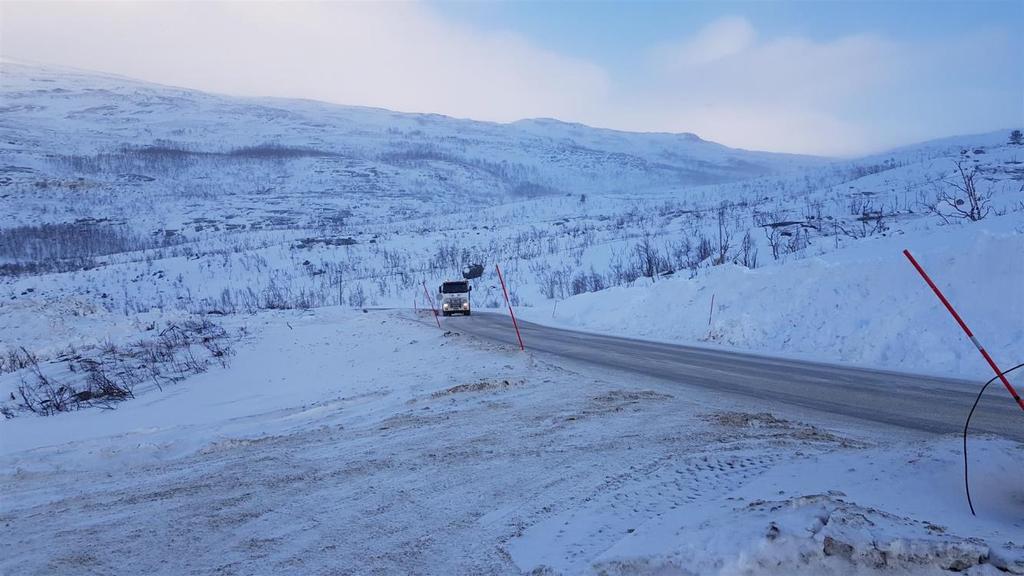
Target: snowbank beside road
[(297, 366), (863, 305)]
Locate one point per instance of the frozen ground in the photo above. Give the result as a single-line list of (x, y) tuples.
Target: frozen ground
[(341, 442)]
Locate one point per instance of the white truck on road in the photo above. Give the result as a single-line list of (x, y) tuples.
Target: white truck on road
[(454, 297)]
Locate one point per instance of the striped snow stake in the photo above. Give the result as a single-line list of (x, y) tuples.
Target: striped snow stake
[(963, 325), (509, 303), (432, 307)]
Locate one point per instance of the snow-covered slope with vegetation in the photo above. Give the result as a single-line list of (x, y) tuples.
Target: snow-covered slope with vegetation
[(122, 200), (202, 266), (863, 304)]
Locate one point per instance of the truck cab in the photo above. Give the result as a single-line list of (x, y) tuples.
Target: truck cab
[(454, 296)]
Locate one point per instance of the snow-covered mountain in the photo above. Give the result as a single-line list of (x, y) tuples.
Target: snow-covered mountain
[(120, 198), (93, 121)]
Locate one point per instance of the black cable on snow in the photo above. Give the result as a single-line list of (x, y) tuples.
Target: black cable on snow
[(967, 423)]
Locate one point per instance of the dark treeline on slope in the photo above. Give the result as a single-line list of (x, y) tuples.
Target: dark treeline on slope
[(68, 246)]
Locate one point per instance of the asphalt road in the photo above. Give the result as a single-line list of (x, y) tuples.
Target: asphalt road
[(924, 403)]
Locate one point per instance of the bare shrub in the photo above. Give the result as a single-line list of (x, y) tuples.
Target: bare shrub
[(960, 199), (586, 282), (748, 251), (43, 395), (647, 258), (775, 227), (704, 249), (112, 373), (724, 234), (864, 226), (797, 240), (357, 297), (17, 359)]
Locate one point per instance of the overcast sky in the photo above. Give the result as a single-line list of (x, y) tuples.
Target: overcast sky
[(835, 78)]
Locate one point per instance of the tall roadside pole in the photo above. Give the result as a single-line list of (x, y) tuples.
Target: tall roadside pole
[(963, 325), (432, 307), (509, 304)]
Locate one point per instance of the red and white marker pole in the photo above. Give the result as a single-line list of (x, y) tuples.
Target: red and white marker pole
[(431, 301), (509, 303), (963, 325)]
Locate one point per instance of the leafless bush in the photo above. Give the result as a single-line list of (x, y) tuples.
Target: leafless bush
[(44, 396), (748, 251), (530, 190), (776, 229), (165, 157), (647, 258), (864, 226), (113, 373), (17, 359), (512, 173), (103, 385), (554, 283), (586, 282), (704, 249), (357, 297), (774, 236), (960, 198), (798, 240), (724, 234)]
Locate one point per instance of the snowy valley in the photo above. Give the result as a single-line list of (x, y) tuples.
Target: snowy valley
[(215, 337)]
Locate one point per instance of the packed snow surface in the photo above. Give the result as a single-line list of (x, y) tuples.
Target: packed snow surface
[(348, 442)]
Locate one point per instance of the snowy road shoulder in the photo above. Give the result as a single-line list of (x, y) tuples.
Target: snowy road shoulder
[(896, 508), (349, 442)]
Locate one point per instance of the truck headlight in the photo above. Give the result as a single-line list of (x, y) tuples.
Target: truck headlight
[(445, 305), (465, 305)]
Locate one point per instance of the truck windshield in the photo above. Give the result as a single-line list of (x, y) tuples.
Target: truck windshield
[(454, 287)]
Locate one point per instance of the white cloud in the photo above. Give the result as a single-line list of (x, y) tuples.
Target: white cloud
[(726, 82), (848, 95), (719, 39), (787, 94), (398, 56)]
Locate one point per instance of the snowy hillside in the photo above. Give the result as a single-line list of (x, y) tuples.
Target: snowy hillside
[(863, 304), (121, 198), (192, 372), (114, 131)]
